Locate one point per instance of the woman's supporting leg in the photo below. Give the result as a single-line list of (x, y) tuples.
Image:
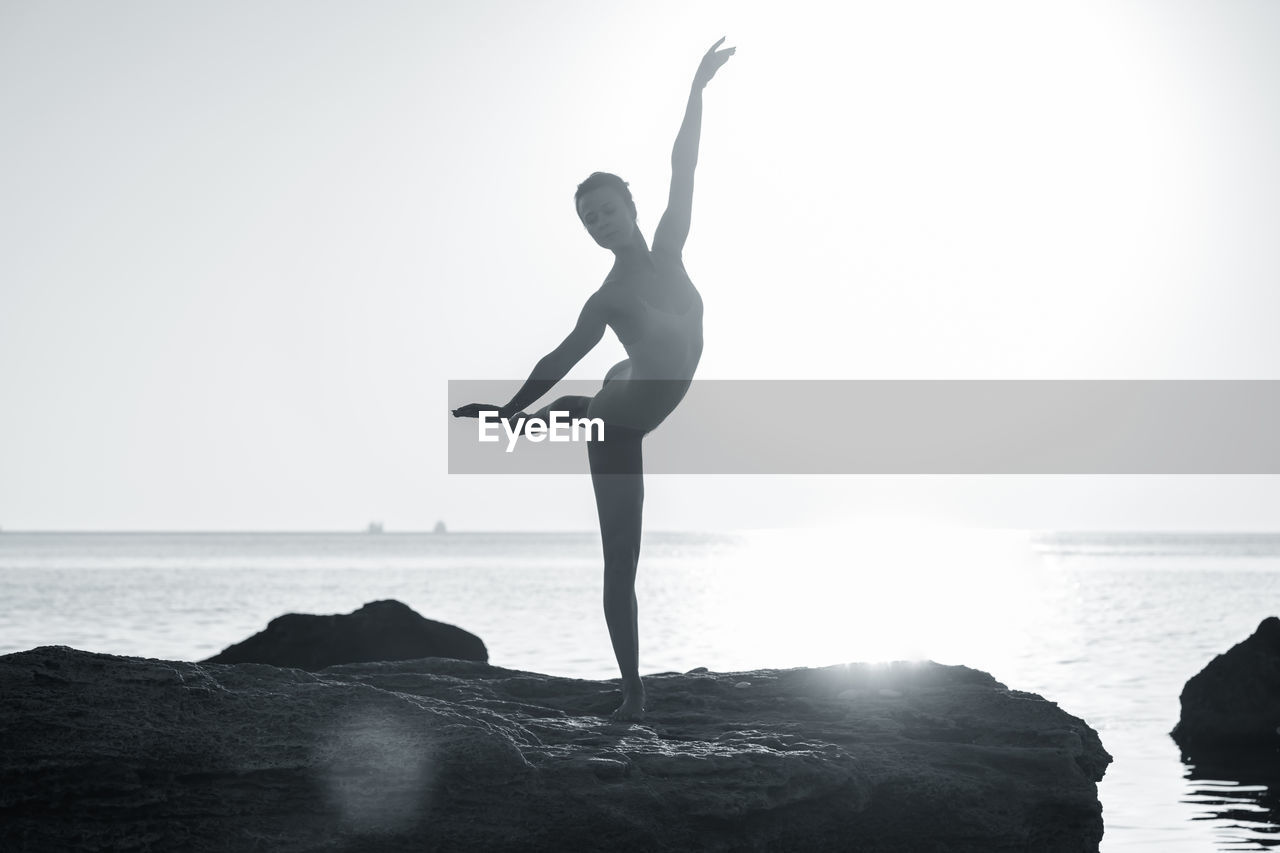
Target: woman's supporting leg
[(618, 479)]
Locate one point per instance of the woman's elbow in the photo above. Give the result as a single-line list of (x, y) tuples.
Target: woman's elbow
[(554, 365), (683, 162)]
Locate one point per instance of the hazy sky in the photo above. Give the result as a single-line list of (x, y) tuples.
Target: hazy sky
[(244, 246)]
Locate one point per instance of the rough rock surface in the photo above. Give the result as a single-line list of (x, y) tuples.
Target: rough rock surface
[(1234, 702), (106, 752), (379, 631)]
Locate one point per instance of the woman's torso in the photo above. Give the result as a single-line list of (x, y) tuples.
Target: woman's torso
[(656, 312), (658, 318)]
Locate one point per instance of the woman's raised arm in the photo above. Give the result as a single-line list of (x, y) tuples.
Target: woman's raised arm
[(673, 228)]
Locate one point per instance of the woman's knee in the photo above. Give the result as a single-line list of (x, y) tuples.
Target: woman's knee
[(576, 406), (619, 587), (621, 557), (620, 562)]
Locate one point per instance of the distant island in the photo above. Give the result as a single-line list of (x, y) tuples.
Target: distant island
[(374, 527), (439, 528)]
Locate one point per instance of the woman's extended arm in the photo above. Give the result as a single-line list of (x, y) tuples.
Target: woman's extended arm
[(552, 367), (673, 228)]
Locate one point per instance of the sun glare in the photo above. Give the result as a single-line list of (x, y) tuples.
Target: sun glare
[(890, 590)]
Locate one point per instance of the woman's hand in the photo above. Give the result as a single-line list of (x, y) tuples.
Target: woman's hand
[(711, 63)]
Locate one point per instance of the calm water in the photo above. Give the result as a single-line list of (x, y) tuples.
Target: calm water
[(1109, 626)]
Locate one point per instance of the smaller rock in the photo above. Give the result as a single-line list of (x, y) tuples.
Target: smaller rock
[(379, 631), (742, 685), (1235, 700)]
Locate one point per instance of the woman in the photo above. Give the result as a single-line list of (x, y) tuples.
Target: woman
[(656, 312)]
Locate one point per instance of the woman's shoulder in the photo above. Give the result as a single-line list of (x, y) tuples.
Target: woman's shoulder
[(610, 298)]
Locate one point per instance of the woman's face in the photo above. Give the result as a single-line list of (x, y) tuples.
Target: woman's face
[(605, 214)]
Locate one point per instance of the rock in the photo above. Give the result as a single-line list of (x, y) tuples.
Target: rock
[(106, 752), (1234, 702), (379, 631)]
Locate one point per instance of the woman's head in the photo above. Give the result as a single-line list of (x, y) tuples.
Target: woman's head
[(606, 208)]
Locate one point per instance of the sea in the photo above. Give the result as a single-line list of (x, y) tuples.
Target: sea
[(1108, 625)]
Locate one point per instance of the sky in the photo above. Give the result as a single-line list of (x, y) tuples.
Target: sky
[(244, 246)]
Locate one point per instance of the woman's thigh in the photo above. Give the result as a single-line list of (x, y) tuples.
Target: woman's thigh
[(618, 479)]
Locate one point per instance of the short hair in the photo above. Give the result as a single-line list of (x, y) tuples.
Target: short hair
[(604, 179)]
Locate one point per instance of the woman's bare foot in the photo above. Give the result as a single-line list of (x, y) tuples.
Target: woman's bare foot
[(632, 708)]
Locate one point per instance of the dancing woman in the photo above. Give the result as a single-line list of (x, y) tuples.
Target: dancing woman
[(656, 312)]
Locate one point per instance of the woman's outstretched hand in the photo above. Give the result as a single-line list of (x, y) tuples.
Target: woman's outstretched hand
[(711, 62)]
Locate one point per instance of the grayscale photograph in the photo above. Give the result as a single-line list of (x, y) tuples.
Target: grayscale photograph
[(515, 426)]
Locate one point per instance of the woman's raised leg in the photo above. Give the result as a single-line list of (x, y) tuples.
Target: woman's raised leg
[(618, 479), (575, 406)]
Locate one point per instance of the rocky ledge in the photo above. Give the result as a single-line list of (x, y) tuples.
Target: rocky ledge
[(117, 753)]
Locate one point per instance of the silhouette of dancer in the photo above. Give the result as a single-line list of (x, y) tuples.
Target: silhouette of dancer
[(656, 312)]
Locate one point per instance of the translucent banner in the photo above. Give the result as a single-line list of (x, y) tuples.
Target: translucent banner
[(939, 427)]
